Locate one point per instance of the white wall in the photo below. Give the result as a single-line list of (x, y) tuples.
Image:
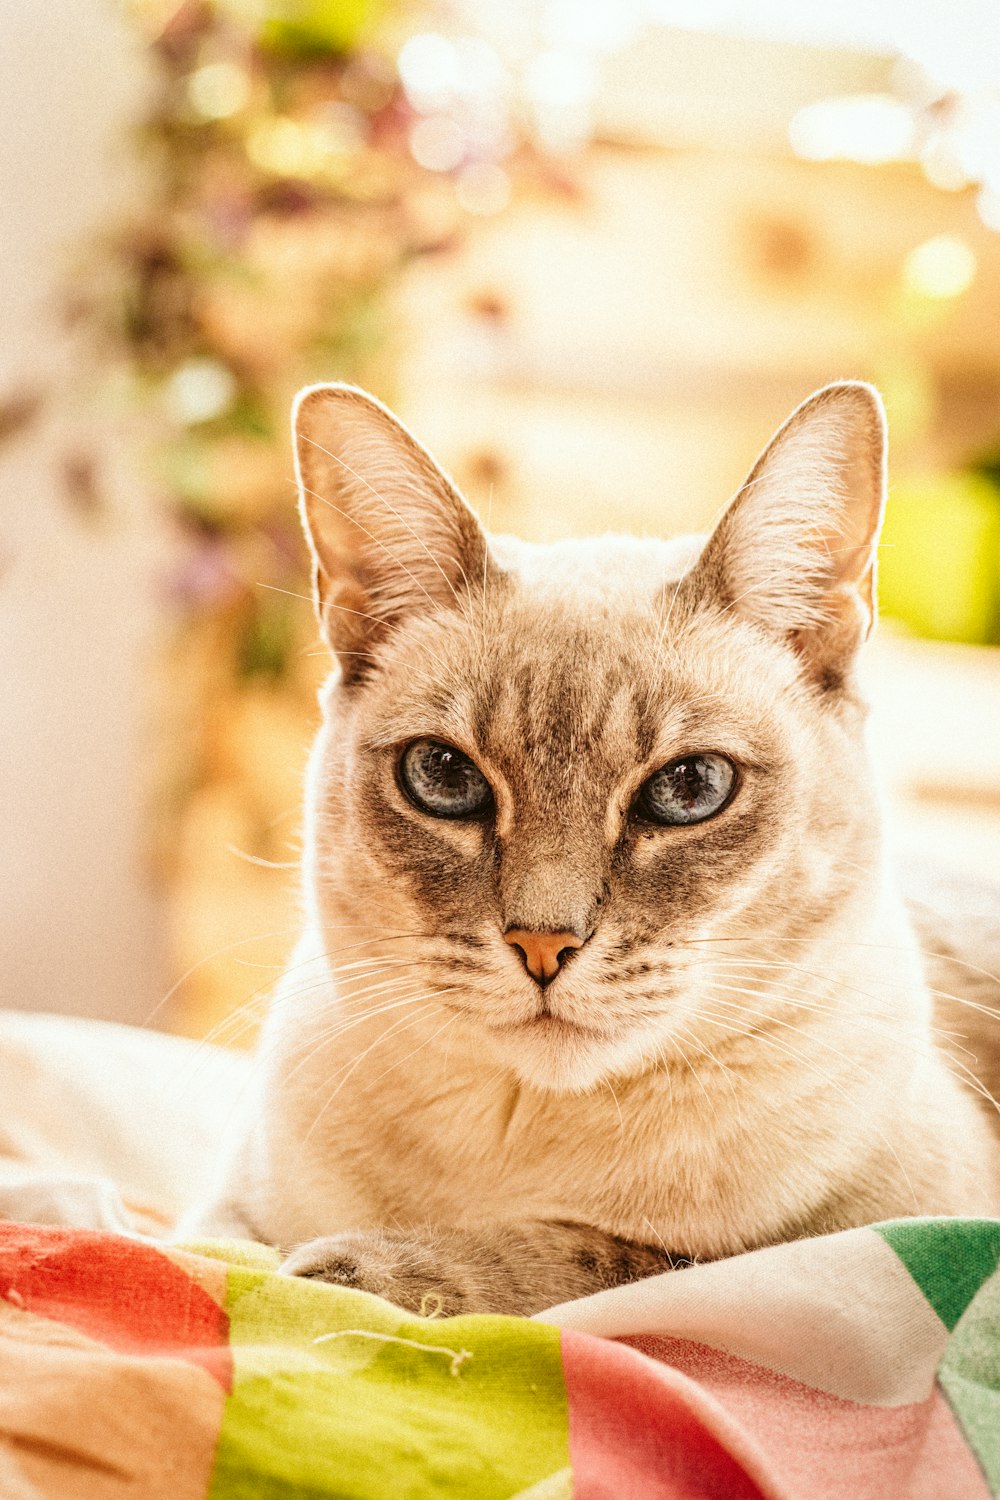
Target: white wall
[(81, 926)]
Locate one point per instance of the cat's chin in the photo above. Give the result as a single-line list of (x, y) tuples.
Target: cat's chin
[(561, 1058)]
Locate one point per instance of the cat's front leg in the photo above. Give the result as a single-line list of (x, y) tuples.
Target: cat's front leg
[(489, 1267)]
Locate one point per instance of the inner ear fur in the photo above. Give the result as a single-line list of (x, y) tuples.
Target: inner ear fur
[(795, 551), (391, 537)]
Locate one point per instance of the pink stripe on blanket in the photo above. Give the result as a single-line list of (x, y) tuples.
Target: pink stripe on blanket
[(640, 1431), (643, 1428), (827, 1448)]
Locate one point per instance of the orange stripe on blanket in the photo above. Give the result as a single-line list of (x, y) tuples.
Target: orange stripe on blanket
[(122, 1292)]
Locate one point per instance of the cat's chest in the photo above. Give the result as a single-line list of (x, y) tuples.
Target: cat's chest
[(490, 1151)]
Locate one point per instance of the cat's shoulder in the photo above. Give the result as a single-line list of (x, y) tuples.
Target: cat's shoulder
[(957, 922)]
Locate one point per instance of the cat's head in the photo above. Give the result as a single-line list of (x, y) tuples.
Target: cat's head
[(555, 782)]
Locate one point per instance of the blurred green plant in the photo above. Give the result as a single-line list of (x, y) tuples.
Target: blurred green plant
[(281, 202), (278, 203)]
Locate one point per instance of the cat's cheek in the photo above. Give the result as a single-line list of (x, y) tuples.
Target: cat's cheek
[(694, 870), (444, 866)]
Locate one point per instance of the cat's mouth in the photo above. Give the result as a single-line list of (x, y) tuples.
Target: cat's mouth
[(544, 1023)]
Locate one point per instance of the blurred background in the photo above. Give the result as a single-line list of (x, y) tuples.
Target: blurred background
[(593, 253)]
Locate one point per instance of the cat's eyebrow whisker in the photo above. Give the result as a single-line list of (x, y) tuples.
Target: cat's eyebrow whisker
[(275, 588), (345, 609), (486, 550), (662, 634), (257, 859), (324, 651)]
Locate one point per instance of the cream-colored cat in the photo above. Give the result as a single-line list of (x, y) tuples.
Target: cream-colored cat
[(603, 969)]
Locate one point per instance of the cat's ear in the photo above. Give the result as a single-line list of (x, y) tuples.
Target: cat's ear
[(391, 537), (795, 551)]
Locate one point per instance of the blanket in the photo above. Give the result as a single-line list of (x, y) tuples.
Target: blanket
[(864, 1364)]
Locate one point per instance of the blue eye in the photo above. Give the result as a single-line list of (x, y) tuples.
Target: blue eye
[(442, 781), (688, 790)]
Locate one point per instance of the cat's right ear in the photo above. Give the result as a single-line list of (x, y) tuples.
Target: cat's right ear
[(795, 552), (391, 538)]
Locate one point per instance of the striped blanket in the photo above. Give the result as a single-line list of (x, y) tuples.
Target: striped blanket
[(863, 1364)]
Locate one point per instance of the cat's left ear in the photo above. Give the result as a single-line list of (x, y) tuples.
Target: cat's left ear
[(391, 537), (795, 551)]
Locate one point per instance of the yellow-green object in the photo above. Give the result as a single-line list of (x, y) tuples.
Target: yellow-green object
[(939, 560), (317, 27), (338, 1394)]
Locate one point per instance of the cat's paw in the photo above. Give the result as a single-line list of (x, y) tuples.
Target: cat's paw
[(388, 1263)]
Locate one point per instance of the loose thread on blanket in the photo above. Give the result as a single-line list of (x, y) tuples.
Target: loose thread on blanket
[(457, 1356), (431, 1305)]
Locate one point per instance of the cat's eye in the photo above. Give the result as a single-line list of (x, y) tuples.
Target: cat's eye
[(443, 781), (688, 790)]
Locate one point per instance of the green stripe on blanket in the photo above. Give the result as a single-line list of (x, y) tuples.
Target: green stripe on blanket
[(949, 1259)]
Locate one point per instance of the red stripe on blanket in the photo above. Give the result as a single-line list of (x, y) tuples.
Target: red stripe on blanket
[(641, 1431), (122, 1292)]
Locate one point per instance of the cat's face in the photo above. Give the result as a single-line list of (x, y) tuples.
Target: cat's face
[(554, 784)]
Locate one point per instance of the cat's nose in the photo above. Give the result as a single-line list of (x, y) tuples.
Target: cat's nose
[(542, 952)]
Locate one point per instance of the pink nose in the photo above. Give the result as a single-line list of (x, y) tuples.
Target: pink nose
[(542, 952)]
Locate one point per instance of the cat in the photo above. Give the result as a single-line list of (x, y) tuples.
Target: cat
[(604, 969)]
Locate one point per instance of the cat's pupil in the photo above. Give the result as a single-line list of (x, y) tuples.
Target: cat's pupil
[(448, 766), (689, 780)]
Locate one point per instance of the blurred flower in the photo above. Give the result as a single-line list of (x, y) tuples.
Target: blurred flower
[(483, 188), (868, 128), (200, 390), (941, 267), (437, 143), (218, 90)]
